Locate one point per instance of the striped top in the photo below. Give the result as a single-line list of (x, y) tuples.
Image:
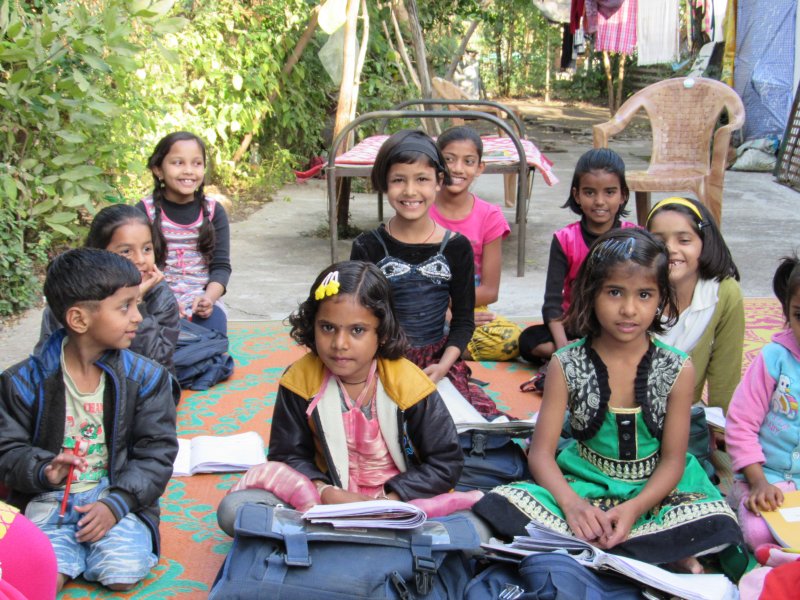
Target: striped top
[(186, 271)]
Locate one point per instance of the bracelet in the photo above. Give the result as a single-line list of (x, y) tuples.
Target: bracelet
[(322, 488)]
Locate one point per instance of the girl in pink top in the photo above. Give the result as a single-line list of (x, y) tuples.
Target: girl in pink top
[(485, 226)]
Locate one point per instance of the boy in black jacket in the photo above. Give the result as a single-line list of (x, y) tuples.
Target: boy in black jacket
[(86, 390)]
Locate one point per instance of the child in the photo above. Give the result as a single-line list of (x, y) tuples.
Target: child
[(762, 430), (598, 194), (429, 267), (353, 416), (192, 235), (126, 231), (483, 224), (86, 388), (710, 326), (625, 481)]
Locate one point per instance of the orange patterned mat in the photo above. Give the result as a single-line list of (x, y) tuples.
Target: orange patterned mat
[(193, 546)]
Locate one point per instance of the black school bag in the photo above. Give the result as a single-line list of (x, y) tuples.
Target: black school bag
[(201, 357), (492, 457)]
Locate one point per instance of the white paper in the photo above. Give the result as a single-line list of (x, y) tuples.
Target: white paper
[(458, 406), (385, 514), (218, 454), (715, 416), (792, 515)]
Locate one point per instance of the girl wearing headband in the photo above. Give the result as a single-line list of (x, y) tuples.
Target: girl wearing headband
[(353, 420), (430, 268), (625, 481), (710, 309)]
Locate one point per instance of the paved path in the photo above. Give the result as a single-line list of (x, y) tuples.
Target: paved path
[(275, 256)]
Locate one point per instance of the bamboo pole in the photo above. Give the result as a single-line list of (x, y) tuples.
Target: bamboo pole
[(451, 70), (398, 63), (401, 47)]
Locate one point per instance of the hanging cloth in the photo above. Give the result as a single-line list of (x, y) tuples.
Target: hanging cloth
[(607, 8), (618, 33), (575, 15), (657, 32), (728, 57)]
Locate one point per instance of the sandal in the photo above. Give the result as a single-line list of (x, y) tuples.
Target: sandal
[(535, 383)]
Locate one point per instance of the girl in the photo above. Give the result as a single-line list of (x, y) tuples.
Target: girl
[(428, 266), (762, 425), (192, 235), (126, 231), (710, 308), (599, 195), (353, 416), (625, 481), (483, 224)]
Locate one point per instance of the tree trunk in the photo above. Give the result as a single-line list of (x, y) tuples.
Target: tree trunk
[(451, 70), (345, 106), (286, 71), (422, 59), (609, 82), (399, 64), (620, 81), (401, 47)]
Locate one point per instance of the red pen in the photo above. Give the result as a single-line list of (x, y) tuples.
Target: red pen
[(80, 449)]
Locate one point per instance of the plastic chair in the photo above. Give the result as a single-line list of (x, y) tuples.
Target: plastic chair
[(683, 113)]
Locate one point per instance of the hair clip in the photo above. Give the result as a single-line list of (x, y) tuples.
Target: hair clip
[(618, 248), (329, 286)]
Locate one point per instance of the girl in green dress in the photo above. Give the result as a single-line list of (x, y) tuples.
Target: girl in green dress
[(625, 481)]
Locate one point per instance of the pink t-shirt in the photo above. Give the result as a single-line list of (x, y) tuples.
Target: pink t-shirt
[(484, 224)]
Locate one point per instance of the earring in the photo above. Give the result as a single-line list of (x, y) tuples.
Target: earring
[(161, 183)]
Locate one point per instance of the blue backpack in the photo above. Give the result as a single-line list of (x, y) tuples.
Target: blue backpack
[(201, 357), (549, 576), (276, 554)]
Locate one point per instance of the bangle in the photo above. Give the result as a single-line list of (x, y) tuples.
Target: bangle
[(322, 488)]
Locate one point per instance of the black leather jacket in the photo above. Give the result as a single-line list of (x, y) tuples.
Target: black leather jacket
[(139, 416), (427, 435)]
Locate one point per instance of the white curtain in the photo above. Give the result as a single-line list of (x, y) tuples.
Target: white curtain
[(657, 29)]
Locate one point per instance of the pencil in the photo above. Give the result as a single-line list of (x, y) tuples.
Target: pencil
[(65, 500)]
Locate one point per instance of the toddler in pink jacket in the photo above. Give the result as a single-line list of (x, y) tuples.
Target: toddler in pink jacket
[(763, 427)]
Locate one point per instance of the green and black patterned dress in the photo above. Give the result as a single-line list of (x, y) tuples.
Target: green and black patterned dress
[(613, 453)]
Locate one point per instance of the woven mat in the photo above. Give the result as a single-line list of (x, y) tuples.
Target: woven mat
[(193, 547)]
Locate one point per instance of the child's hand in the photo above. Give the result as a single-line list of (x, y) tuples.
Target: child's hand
[(335, 495), (435, 371), (764, 496), (622, 520), (150, 280), (95, 523), (58, 469), (483, 318), (202, 307), (588, 522)]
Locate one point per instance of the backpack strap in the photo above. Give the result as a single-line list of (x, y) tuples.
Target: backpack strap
[(380, 241)]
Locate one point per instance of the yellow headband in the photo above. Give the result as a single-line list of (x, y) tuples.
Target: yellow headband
[(676, 200)]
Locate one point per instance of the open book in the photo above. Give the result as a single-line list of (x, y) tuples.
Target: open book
[(784, 523), (214, 454), (385, 514), (467, 418), (691, 587)]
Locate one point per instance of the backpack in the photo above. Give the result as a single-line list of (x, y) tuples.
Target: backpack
[(201, 357), (492, 458), (549, 576), (276, 554)]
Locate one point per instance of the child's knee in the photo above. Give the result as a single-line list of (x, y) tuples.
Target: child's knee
[(123, 557)]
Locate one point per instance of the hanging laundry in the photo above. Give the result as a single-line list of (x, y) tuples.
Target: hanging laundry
[(658, 32), (575, 15), (608, 7), (618, 33)]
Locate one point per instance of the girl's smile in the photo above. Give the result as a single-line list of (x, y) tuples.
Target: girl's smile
[(134, 241), (461, 157), (600, 197), (683, 243), (182, 171), (411, 189)]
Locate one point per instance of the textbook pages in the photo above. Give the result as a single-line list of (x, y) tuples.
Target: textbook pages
[(382, 514), (218, 454), (691, 587)]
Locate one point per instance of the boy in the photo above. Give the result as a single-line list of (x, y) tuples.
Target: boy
[(85, 389)]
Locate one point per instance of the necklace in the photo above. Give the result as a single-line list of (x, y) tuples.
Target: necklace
[(353, 382), (425, 241)]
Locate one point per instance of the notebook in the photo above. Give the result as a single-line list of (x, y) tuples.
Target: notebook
[(218, 454), (784, 523), (380, 514), (691, 587)]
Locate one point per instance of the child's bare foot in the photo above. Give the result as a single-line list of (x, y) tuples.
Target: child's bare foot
[(687, 565)]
